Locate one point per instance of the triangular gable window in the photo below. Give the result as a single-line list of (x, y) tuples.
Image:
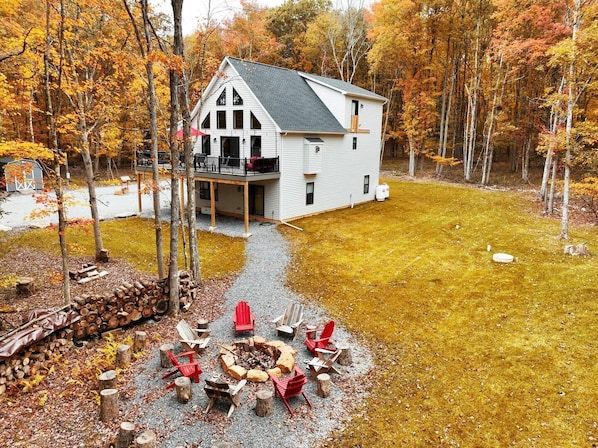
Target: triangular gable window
[(205, 124), (237, 100), (221, 101), (255, 123)]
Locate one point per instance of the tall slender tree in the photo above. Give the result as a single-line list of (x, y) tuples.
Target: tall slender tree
[(175, 72), (146, 48)]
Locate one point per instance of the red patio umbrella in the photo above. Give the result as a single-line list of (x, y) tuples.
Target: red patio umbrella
[(194, 133)]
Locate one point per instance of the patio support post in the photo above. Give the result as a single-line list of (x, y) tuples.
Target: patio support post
[(212, 207), (182, 200), (139, 206), (246, 208)]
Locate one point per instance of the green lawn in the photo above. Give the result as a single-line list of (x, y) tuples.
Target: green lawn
[(469, 352), (133, 239)]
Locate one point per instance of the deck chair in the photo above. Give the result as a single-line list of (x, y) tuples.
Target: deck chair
[(199, 160), (220, 390), (324, 362), (288, 324), (290, 387), (243, 318), (192, 339), (191, 370), (312, 341)]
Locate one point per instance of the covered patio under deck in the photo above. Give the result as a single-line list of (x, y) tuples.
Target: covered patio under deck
[(241, 177)]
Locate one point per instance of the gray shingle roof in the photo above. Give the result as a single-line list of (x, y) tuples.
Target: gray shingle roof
[(343, 86), (287, 97)]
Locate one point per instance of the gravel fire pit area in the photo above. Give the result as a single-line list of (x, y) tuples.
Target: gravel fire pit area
[(254, 359)]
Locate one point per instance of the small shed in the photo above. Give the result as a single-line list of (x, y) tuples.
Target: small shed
[(22, 174)]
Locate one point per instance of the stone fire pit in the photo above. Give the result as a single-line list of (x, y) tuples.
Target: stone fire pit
[(254, 359)]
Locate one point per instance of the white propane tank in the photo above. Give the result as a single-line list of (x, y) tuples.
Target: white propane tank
[(382, 192)]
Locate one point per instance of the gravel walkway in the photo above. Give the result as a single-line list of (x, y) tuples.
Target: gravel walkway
[(261, 284)]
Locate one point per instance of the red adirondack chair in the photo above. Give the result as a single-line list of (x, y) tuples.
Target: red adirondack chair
[(290, 387), (191, 369), (312, 341), (243, 318)]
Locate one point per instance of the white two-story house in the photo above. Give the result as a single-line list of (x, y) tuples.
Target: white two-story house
[(281, 144)]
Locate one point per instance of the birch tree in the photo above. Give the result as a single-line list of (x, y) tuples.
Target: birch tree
[(337, 41), (577, 59), (404, 33), (175, 72)]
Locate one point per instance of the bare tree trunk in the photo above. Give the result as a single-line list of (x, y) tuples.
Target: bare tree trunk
[(470, 134), (53, 143), (411, 157), (555, 117), (571, 101), (188, 151), (550, 206), (175, 79), (446, 115), (153, 106), (525, 159), (386, 117), (96, 160), (489, 146), (31, 132), (89, 177)]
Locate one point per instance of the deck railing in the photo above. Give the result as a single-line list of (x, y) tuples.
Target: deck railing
[(235, 166), (203, 163)]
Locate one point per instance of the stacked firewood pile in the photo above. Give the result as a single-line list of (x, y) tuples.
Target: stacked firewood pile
[(127, 304), (37, 359), (187, 289)]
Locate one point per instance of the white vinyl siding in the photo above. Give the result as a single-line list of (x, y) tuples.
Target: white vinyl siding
[(339, 184), (340, 180), (268, 132)]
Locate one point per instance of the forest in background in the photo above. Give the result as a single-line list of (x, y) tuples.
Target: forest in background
[(469, 83)]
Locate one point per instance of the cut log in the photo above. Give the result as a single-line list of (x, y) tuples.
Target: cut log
[(161, 306), (107, 380), (345, 358), (91, 329), (103, 256), (108, 405), (25, 286), (113, 322), (124, 318), (146, 439), (129, 307), (147, 311), (183, 389), (123, 356), (126, 434), (323, 385), (263, 403), (135, 315), (164, 359), (140, 341), (92, 277)]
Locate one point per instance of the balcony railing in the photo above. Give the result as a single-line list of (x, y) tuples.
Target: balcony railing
[(235, 166), (219, 165)]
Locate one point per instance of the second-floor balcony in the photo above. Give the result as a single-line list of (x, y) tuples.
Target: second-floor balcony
[(217, 166)]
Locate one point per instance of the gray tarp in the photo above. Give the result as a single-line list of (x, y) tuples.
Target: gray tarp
[(37, 325)]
